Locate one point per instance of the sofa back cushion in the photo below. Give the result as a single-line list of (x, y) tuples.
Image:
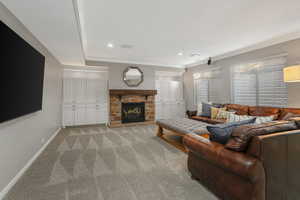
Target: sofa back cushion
[(239, 109), (264, 111), (241, 136)]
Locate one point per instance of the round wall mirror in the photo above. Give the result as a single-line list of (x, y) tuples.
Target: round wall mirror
[(133, 76)]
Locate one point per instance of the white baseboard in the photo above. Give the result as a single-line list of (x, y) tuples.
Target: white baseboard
[(28, 164)]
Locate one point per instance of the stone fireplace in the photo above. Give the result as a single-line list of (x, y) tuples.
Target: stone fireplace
[(129, 107)]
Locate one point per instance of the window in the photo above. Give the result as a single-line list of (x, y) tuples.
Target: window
[(260, 83), (201, 90), (206, 86)]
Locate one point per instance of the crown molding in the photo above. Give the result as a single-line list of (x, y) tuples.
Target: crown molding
[(267, 43), (105, 60)]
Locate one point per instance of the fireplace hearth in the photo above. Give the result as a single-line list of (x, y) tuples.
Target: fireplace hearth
[(133, 112)]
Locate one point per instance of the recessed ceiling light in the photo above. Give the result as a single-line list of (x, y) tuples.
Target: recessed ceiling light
[(110, 45), (180, 54)]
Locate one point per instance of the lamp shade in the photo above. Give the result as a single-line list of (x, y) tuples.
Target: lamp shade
[(292, 73)]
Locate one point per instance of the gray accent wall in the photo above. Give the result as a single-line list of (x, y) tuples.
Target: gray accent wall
[(21, 138), (116, 74), (291, 48)]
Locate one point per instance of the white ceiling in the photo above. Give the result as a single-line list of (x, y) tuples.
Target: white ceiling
[(53, 23), (158, 30)]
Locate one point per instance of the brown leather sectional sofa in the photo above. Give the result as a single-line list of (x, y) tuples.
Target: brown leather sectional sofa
[(268, 169), (245, 110)]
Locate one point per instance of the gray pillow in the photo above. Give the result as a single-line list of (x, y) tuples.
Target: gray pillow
[(222, 132), (206, 110)]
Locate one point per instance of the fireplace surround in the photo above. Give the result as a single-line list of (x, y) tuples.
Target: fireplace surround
[(118, 98), (133, 112)]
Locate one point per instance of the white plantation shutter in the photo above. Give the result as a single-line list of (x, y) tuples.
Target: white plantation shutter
[(244, 89), (207, 85), (260, 83), (215, 85), (272, 90), (201, 90)]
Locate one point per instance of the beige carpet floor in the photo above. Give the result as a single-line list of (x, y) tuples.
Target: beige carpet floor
[(99, 163)]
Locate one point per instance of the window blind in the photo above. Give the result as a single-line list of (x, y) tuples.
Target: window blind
[(260, 83), (206, 85), (272, 90), (201, 90)]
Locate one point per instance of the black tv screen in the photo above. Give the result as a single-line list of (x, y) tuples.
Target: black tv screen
[(21, 77)]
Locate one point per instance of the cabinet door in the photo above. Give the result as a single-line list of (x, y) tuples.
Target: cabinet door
[(101, 92), (80, 114), (79, 90), (68, 115), (101, 113), (91, 91), (68, 91), (91, 114)]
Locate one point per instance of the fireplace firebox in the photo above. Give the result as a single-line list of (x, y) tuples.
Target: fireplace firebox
[(133, 112)]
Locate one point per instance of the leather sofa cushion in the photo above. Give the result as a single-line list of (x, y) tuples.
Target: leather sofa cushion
[(242, 135), (240, 109), (264, 111), (284, 111), (209, 120)]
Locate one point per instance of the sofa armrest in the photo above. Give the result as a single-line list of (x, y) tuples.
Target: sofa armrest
[(215, 153), (190, 113)]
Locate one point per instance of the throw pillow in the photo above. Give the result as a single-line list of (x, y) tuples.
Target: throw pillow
[(242, 135), (236, 118), (215, 111), (223, 114), (206, 110), (199, 109), (221, 133), (260, 120)]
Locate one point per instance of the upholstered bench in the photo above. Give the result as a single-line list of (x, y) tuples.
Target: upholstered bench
[(179, 128)]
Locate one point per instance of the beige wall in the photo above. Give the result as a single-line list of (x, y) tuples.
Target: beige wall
[(22, 138), (292, 48), (116, 74)]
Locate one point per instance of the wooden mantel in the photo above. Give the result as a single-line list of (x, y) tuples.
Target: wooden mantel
[(124, 92)]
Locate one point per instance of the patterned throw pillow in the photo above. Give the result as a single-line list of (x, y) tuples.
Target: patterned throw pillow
[(260, 120), (237, 118), (223, 114), (215, 111)]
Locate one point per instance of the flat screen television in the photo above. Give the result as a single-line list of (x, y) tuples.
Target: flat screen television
[(21, 76)]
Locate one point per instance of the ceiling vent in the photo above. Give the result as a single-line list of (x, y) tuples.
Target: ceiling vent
[(195, 54), (126, 46)]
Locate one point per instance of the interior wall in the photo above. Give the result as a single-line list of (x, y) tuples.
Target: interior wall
[(291, 48), (23, 137), (116, 74)]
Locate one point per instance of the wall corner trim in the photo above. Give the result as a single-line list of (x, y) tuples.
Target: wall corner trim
[(15, 179)]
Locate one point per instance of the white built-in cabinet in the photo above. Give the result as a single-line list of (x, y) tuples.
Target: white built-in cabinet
[(85, 98), (169, 99)]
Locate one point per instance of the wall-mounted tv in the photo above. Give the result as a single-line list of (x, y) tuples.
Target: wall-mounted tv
[(21, 76)]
